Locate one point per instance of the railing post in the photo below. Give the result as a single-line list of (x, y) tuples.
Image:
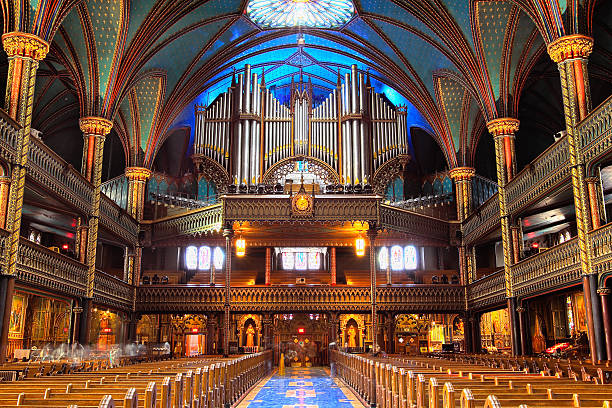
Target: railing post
[(228, 233)]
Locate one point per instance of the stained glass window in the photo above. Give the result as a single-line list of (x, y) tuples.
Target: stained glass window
[(301, 261), (302, 13), (314, 260), (218, 258), (288, 260), (204, 258), (397, 258), (410, 258), (383, 258), (191, 258)]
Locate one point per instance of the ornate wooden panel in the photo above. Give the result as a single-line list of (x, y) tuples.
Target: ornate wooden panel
[(274, 208), (601, 245), (416, 298), (8, 138), (118, 221), (482, 221)]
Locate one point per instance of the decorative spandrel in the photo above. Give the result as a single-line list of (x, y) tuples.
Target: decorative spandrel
[(300, 13)]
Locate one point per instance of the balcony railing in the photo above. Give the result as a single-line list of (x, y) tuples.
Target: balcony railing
[(51, 171), (196, 222), (118, 221), (483, 220), (112, 291), (185, 298), (488, 291), (40, 266), (8, 137), (595, 132), (552, 268), (427, 228), (601, 245)]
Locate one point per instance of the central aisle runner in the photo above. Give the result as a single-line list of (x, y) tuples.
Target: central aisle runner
[(301, 388)]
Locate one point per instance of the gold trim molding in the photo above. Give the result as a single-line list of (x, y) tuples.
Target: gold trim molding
[(570, 46), (94, 125), (462, 173), (18, 44), (137, 173), (503, 126)]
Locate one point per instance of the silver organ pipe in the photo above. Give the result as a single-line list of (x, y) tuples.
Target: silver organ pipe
[(229, 130)]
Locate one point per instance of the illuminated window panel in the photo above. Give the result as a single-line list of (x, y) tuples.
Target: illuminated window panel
[(204, 258), (314, 260), (410, 258), (288, 260), (218, 258), (397, 258), (383, 258), (301, 262), (300, 13), (191, 258)]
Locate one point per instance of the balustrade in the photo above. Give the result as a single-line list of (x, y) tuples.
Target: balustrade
[(483, 220), (197, 222), (110, 290), (601, 245), (118, 221), (488, 290), (185, 298), (40, 266), (117, 190), (554, 267), (595, 132), (427, 228), (8, 137)]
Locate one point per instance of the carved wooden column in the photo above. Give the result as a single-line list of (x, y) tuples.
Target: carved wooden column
[(212, 325), (228, 233), (462, 176), (5, 185), (332, 266), (596, 201), (390, 329), (81, 239), (268, 265), (95, 130), (267, 323), (372, 232), (604, 294), (503, 131), (571, 54), (24, 52), (523, 329)]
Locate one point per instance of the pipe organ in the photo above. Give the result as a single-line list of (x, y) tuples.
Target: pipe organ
[(246, 130)]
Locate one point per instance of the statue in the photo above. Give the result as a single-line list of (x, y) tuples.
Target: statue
[(250, 336), (352, 336)]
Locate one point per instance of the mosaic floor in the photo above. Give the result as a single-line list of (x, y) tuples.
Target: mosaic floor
[(301, 388)]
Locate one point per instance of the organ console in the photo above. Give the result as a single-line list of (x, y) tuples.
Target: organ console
[(246, 130)]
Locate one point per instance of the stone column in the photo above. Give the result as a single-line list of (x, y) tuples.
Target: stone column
[(24, 52), (571, 54), (604, 293), (462, 176), (372, 232), (137, 182), (228, 233), (95, 130), (503, 131)]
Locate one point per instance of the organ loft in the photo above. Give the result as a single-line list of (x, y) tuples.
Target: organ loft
[(306, 203)]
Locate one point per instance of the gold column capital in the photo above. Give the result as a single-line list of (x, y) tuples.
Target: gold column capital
[(137, 173), (95, 125), (570, 46), (19, 44), (503, 126), (462, 173)]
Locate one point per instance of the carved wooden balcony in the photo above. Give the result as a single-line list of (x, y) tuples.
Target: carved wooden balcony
[(41, 267), (8, 137), (186, 298), (482, 221), (202, 221), (553, 268), (115, 219), (487, 291), (601, 246), (111, 291), (425, 229), (595, 133)]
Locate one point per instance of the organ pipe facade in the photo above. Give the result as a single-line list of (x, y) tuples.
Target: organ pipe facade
[(246, 130)]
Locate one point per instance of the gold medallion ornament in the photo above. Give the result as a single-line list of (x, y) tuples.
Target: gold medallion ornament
[(302, 204)]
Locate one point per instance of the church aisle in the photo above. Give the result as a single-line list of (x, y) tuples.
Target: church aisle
[(301, 388)]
